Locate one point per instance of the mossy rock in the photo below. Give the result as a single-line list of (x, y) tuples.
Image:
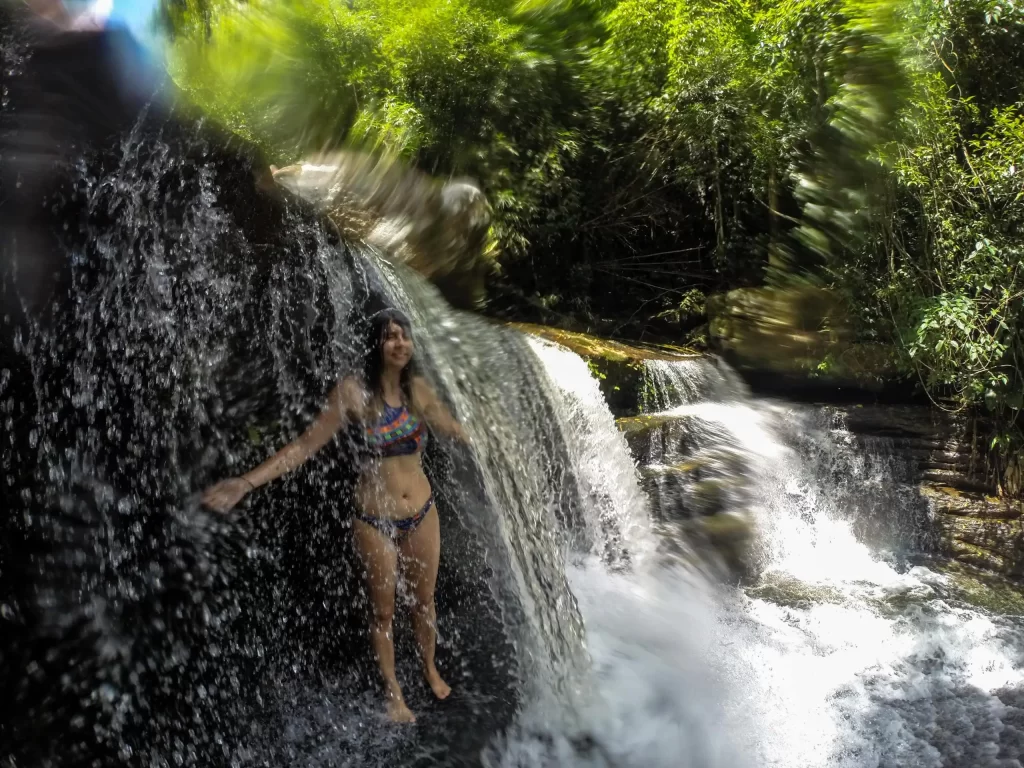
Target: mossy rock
[(681, 496), (896, 604), (724, 528), (713, 495), (721, 543), (948, 500), (592, 347), (983, 590), (671, 440), (640, 433), (618, 366), (643, 425), (710, 496), (965, 584), (990, 533), (788, 592), (687, 468)]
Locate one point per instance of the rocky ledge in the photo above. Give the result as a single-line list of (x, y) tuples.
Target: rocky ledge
[(969, 521), (617, 365), (979, 530)]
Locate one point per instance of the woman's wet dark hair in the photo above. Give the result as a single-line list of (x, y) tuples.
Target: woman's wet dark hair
[(375, 335)]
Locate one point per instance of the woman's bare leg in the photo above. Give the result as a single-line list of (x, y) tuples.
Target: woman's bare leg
[(421, 551), (381, 563)]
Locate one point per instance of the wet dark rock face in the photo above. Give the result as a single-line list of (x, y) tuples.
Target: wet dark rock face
[(166, 318), (132, 351)]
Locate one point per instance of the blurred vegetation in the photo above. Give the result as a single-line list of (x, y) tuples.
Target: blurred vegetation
[(643, 154)]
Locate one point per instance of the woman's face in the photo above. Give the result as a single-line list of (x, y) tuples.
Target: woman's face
[(397, 349)]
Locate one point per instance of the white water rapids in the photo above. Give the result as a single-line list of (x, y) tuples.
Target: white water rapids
[(836, 655)]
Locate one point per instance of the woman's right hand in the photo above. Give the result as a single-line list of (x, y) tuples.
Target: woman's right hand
[(226, 494)]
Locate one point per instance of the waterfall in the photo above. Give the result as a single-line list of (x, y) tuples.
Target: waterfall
[(617, 515), (862, 650), (846, 645), (201, 366), (165, 323), (669, 383), (651, 621)]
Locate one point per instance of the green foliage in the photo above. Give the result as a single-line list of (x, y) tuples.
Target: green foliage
[(940, 273), (457, 86), (960, 303), (641, 155)]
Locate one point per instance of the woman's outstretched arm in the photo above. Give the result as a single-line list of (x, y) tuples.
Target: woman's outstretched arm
[(345, 400), (426, 401)]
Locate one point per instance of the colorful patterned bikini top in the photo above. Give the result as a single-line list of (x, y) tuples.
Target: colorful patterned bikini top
[(397, 433)]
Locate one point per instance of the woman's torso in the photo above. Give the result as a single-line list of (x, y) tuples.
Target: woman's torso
[(392, 484)]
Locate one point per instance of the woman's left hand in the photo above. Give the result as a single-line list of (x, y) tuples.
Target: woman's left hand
[(226, 494)]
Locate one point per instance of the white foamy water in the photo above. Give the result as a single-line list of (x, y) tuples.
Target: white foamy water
[(617, 507), (854, 661), (672, 382), (837, 656)]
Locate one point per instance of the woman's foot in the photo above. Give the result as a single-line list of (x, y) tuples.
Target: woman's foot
[(440, 688), (398, 712)]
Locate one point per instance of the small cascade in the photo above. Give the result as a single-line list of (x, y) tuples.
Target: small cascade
[(616, 516), (669, 383), (697, 442), (650, 620), (865, 642)]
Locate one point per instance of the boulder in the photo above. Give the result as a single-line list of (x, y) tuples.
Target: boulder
[(725, 541)]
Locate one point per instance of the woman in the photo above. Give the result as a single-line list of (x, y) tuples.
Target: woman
[(397, 521)]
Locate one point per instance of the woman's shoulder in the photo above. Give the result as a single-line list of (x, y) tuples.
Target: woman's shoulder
[(420, 388), (353, 383), (352, 394)]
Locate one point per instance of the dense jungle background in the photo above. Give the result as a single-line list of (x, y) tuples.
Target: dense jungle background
[(643, 158)]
